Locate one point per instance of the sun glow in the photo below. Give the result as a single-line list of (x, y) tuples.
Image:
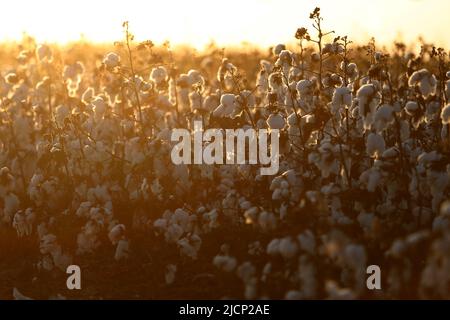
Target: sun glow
[(197, 22)]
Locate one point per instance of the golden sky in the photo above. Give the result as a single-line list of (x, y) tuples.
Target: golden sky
[(196, 22)]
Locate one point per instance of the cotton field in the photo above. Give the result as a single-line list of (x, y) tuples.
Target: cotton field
[(86, 176)]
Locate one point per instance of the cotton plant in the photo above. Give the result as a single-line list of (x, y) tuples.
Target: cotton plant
[(363, 159), (425, 81)]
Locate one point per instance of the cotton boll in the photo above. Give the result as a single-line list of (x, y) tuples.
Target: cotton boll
[(287, 248), (19, 223), (427, 86), (285, 56), (210, 219), (266, 66), (160, 224), (12, 78), (245, 205), (411, 107), (226, 107), (23, 222), (425, 80), (61, 260), (61, 112), (211, 102), (342, 97), (48, 244), (275, 81), (445, 209), (99, 194), (99, 107), (250, 291), (44, 53), (277, 194), (441, 223), (432, 111), (315, 57), (180, 217), (390, 154), (140, 84), (447, 85), (224, 74), (24, 56), (352, 71), (247, 98), (416, 76), (278, 48), (117, 233), (307, 241), (195, 78), (251, 215), (305, 88), (169, 276), (368, 99), (336, 293), (332, 48), (384, 116), (292, 119), (195, 100), (173, 233), (7, 181), (427, 158), (293, 295), (190, 246), (375, 145), (246, 271), (284, 61), (11, 205), (111, 60), (88, 95), (83, 209), (371, 179), (273, 248), (72, 75), (122, 250), (445, 132), (339, 218), (262, 81), (42, 230), (276, 121), (225, 263), (445, 114), (356, 257), (46, 263), (159, 75), (17, 295), (183, 81), (423, 215), (324, 160), (295, 73), (377, 56), (267, 221), (87, 240)]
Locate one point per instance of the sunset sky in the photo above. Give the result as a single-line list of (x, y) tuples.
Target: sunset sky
[(196, 22)]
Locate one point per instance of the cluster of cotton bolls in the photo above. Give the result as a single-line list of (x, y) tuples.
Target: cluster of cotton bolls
[(52, 251), (180, 228), (364, 174)]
